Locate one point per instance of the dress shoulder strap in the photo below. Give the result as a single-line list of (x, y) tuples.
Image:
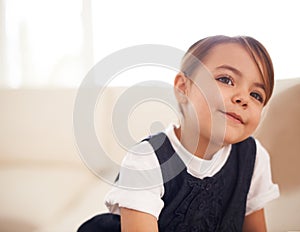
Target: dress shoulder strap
[(170, 163)]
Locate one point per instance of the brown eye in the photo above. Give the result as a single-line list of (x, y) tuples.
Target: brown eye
[(257, 96), (225, 80)]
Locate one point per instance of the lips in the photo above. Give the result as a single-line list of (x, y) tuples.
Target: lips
[(234, 117)]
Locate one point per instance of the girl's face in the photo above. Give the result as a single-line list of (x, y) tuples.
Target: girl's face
[(241, 88)]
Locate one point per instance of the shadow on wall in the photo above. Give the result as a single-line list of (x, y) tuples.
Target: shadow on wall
[(280, 135)]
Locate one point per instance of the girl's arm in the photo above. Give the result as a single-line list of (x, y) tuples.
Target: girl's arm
[(255, 222), (137, 221)]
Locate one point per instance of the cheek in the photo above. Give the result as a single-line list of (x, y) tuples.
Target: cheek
[(198, 110), (203, 107), (255, 120)]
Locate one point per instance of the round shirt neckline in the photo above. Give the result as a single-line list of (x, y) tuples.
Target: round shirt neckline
[(196, 166)]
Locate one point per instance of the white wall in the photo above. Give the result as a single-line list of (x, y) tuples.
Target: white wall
[(55, 43)]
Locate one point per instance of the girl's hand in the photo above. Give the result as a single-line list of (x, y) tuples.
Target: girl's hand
[(137, 221), (255, 222)]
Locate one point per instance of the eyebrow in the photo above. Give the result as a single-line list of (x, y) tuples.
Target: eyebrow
[(239, 73), (260, 85), (234, 70)]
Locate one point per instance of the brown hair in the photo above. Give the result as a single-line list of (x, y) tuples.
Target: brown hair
[(257, 51)]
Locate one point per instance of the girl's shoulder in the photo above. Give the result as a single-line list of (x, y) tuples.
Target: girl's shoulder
[(140, 155), (262, 155)]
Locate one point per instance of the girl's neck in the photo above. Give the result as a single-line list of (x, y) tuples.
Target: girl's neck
[(192, 141)]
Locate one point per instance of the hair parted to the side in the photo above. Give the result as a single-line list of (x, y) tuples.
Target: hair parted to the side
[(199, 50)]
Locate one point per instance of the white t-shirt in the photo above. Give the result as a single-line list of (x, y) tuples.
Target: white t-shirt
[(140, 185)]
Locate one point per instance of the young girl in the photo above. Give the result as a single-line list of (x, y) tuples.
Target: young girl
[(208, 173)]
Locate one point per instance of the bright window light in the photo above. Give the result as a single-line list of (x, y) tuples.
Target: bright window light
[(55, 43)]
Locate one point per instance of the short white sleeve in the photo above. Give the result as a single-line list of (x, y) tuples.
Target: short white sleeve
[(262, 189), (140, 185)]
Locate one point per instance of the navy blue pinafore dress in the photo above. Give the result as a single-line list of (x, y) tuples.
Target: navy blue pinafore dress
[(211, 204)]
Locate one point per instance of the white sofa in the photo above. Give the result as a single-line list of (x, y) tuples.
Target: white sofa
[(45, 185)]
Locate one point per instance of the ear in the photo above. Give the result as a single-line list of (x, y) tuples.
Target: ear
[(181, 87)]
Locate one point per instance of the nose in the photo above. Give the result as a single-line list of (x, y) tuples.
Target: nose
[(241, 100)]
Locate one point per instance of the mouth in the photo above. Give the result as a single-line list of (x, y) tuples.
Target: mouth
[(234, 117)]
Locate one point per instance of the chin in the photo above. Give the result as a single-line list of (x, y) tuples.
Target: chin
[(231, 139)]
